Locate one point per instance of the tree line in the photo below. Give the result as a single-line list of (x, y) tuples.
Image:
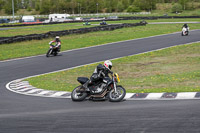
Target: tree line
[(90, 6)]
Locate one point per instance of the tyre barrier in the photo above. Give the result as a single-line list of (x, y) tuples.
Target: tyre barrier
[(156, 17), (120, 18), (20, 38)]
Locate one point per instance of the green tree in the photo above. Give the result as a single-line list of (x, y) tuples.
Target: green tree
[(176, 8), (120, 6), (73, 5), (1, 4), (111, 5), (37, 7), (29, 8), (8, 6), (127, 3), (45, 7), (133, 8), (183, 3), (147, 5)]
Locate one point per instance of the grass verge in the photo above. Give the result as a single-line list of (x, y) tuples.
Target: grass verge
[(39, 29), (174, 69), (37, 47), (67, 26)]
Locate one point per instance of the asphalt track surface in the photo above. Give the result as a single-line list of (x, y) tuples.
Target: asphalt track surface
[(29, 114)]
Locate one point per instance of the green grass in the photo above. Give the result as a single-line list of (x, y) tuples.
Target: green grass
[(36, 47), (66, 26), (174, 69), (183, 13), (40, 29)]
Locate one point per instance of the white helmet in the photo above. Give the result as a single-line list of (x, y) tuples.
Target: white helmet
[(108, 64), (57, 37)]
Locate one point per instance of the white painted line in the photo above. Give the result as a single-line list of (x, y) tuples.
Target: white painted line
[(24, 89), (20, 83), (59, 93), (31, 87), (44, 92), (95, 46), (154, 95), (67, 97), (23, 86), (186, 95), (16, 88), (28, 86), (24, 82), (18, 80), (34, 90), (20, 86), (129, 95)]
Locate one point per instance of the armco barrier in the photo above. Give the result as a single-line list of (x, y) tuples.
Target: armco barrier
[(6, 40)]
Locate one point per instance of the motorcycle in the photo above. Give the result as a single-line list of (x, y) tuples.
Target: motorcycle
[(103, 23), (53, 50), (102, 90), (86, 23), (185, 31)]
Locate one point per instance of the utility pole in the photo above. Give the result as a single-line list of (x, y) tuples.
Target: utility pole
[(13, 10), (97, 8), (78, 8)]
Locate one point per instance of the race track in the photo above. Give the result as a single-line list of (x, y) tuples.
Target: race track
[(28, 114)]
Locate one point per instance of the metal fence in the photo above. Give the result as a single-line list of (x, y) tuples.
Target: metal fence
[(17, 17), (112, 14)]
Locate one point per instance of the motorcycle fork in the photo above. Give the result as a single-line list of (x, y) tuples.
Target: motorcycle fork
[(51, 51), (115, 87)]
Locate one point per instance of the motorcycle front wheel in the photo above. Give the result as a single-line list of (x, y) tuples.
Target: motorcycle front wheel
[(77, 95), (117, 96), (48, 52)]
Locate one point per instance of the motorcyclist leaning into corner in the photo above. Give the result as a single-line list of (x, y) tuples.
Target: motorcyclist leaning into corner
[(185, 26), (100, 72), (58, 43)]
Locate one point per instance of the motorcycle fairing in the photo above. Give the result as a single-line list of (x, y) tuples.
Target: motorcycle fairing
[(82, 80)]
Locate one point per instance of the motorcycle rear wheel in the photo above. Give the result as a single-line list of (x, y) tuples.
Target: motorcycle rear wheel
[(55, 53), (117, 97), (77, 95), (181, 33)]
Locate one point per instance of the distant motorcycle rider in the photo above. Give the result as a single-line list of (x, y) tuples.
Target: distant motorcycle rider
[(185, 26), (185, 30), (58, 43), (100, 72)]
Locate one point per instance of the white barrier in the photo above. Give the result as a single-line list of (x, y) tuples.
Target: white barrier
[(99, 14)]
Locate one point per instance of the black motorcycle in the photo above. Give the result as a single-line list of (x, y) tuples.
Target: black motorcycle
[(53, 50), (106, 88), (103, 23)]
